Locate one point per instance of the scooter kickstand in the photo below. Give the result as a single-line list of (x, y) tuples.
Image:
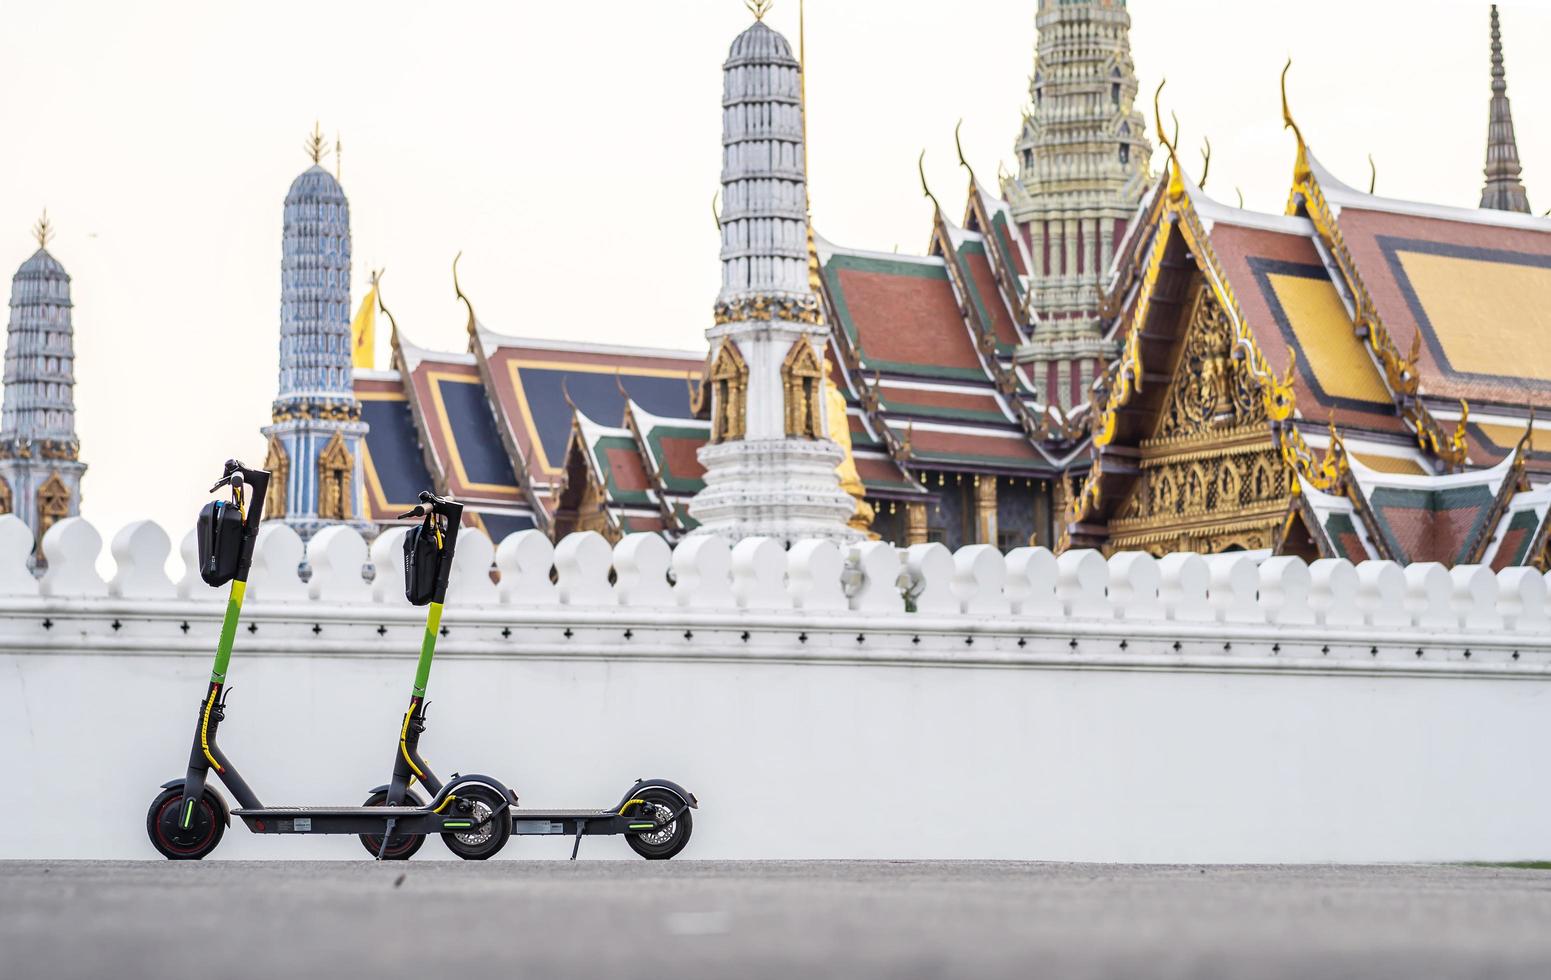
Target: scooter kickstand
[(387, 833), (581, 827)]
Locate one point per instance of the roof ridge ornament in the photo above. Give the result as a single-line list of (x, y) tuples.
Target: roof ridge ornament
[(1301, 170), (759, 8), (1206, 160), (925, 189), (1373, 174), (459, 290), (1176, 174), (43, 231), (958, 144), (316, 146)]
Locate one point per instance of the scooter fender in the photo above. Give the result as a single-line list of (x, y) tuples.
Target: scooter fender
[(669, 785), (475, 778), (226, 812)]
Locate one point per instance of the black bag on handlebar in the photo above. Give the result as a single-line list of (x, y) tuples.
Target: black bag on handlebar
[(423, 557), (220, 541)]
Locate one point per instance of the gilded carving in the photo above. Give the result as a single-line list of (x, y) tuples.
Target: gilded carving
[(767, 308), (53, 504), (279, 466), (729, 386), (802, 380), (336, 469), (1211, 389), (6, 504)]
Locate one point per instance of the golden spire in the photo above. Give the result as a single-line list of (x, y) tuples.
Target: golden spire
[(43, 232), (759, 8), (1301, 171), (339, 156), (316, 147), (814, 279)]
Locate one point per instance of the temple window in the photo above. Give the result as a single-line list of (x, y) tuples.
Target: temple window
[(729, 385), (335, 469), (802, 376)]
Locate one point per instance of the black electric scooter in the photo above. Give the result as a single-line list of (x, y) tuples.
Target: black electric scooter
[(653, 816), (187, 819)]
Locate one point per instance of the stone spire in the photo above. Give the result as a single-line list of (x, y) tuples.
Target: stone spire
[(1504, 190), (40, 467), (770, 467), (1082, 168), (315, 438)]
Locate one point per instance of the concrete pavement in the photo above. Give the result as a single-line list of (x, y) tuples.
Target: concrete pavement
[(769, 919)]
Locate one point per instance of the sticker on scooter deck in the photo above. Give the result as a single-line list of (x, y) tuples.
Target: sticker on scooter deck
[(533, 828)]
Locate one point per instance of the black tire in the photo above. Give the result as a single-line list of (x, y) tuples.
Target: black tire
[(657, 805), (485, 839), (401, 847), (203, 834)]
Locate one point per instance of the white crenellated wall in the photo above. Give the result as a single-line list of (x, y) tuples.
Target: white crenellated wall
[(1189, 709)]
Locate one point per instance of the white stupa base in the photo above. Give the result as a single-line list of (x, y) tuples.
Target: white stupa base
[(774, 488)]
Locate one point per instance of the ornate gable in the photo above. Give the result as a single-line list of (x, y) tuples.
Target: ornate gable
[(1210, 476)]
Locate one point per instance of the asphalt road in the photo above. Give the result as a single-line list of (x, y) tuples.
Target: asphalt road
[(687, 919)]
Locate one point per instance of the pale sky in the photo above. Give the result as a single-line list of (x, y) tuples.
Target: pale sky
[(571, 151)]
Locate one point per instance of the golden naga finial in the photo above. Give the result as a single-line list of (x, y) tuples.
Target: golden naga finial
[(716, 209), (316, 147), (457, 288), (393, 324), (1176, 178), (1240, 191), (1301, 171), (759, 8), (1373, 174), (926, 190), (43, 231), (958, 144), (1206, 161)]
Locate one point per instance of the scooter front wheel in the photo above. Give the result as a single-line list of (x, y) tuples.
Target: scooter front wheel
[(659, 807), (489, 833), (178, 843), (401, 847)]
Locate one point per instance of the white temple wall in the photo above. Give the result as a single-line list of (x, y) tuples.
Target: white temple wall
[(1034, 708)]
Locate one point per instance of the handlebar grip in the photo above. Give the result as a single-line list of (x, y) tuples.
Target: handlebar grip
[(417, 512)]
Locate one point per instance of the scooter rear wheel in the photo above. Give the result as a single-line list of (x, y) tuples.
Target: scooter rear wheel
[(174, 841), (401, 847), (657, 805), (489, 834)]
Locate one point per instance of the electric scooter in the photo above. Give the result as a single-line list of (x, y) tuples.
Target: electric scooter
[(187, 819), (653, 816)]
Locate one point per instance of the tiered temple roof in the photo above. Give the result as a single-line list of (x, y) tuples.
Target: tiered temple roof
[(1364, 358), (529, 432)]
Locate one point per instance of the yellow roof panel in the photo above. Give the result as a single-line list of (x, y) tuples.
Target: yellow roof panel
[(1485, 314), (1391, 464), (1328, 347)]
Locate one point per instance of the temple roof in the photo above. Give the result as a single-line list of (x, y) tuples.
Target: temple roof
[(534, 383), (1457, 292), (455, 424), (391, 457)]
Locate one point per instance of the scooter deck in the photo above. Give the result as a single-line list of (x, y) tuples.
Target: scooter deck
[(376, 812), (351, 820)]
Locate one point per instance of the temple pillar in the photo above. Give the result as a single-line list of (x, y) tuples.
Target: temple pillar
[(985, 509), (915, 523)]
